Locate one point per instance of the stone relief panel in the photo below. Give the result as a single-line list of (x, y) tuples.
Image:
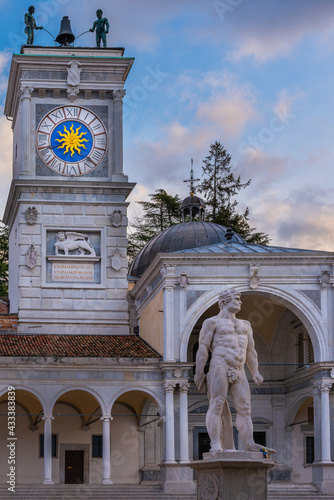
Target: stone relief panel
[(73, 257)]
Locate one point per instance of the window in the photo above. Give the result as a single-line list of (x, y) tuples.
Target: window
[(97, 446), (260, 437), (309, 449), (305, 353), (53, 445)]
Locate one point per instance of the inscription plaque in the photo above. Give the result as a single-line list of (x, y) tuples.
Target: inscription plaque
[(69, 272)]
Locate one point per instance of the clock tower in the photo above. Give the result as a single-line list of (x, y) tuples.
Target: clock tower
[(67, 207)]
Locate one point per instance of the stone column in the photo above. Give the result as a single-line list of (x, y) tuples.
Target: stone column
[(168, 299), (106, 450), (170, 436), (47, 450), (324, 389), (26, 160), (118, 130), (184, 443)]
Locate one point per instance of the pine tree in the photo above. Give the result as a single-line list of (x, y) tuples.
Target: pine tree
[(161, 212), (219, 188)]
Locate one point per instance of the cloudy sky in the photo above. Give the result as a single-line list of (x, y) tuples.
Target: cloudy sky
[(256, 75)]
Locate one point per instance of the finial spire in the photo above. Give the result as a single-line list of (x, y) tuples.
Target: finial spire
[(192, 180)]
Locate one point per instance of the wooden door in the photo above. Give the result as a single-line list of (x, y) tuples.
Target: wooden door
[(74, 466)]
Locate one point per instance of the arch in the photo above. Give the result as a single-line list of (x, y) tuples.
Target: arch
[(157, 400), (302, 307), (90, 391), (31, 390), (291, 414)]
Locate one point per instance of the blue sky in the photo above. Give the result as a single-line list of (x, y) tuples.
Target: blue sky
[(256, 75)]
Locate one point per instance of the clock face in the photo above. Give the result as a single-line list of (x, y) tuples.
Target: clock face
[(71, 140)]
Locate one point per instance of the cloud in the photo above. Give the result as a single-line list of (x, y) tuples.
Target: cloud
[(304, 219), (266, 30)]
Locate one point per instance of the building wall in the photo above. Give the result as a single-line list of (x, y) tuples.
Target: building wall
[(151, 323)]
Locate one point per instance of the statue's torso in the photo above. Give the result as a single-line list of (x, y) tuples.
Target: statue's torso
[(230, 342)]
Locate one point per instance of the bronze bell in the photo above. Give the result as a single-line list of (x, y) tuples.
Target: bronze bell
[(65, 35)]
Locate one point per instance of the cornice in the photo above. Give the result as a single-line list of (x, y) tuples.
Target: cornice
[(208, 259), (120, 66), (19, 186)]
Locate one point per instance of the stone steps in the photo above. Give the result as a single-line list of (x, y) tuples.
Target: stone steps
[(140, 492), (282, 491), (90, 492)]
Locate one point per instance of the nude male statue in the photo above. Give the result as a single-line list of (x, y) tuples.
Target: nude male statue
[(102, 28), (231, 343), (30, 23)]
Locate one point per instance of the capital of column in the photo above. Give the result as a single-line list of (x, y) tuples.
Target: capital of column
[(105, 418), (169, 386), (118, 95), (48, 418), (325, 386), (184, 386), (26, 92), (169, 287)]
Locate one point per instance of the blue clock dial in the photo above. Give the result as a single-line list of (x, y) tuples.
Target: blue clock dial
[(71, 140)]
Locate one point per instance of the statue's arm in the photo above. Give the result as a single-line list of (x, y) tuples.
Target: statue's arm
[(107, 25), (94, 26), (205, 338), (251, 358)]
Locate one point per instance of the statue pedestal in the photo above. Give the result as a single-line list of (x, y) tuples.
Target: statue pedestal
[(241, 475)]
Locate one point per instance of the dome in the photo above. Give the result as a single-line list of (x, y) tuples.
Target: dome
[(184, 236), (192, 200)]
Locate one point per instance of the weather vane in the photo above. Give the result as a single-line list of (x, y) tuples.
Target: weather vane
[(192, 181)]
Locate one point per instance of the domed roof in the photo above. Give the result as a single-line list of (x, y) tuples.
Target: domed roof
[(184, 236), (192, 200)]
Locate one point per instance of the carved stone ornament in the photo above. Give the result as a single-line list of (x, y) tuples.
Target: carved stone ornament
[(169, 386), (31, 256), (72, 93), (254, 278), (70, 241), (73, 80), (116, 218), (178, 372), (324, 278), (31, 215), (26, 92), (118, 95), (73, 73), (116, 260), (183, 280), (208, 486)]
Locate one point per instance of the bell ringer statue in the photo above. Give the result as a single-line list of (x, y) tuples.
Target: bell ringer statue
[(231, 343)]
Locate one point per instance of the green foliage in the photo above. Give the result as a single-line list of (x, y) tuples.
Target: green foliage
[(219, 187), (3, 261), (161, 212)]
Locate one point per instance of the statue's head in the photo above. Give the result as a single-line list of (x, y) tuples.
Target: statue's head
[(226, 296), (60, 236), (99, 13), (31, 9)]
